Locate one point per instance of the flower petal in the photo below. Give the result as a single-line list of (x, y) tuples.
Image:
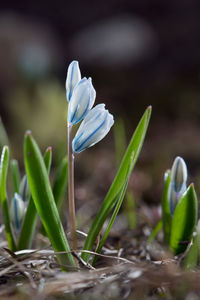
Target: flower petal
[(94, 128), (73, 77)]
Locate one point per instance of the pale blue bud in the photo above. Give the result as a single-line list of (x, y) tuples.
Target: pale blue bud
[(82, 100), (93, 128), (24, 189), (17, 211), (73, 77), (178, 182)]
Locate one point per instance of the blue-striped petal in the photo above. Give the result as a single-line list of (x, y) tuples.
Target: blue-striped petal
[(73, 77), (93, 128), (82, 100), (178, 182), (17, 211)]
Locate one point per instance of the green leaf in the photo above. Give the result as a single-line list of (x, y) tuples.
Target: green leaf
[(129, 210), (3, 135), (184, 221), (123, 174), (3, 197), (14, 166), (48, 159), (166, 215), (155, 231), (112, 219), (30, 219), (60, 182), (119, 139), (192, 257), (44, 201)]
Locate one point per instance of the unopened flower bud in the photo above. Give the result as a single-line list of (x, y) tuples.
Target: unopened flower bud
[(17, 211), (81, 101), (73, 77), (178, 182), (93, 128)]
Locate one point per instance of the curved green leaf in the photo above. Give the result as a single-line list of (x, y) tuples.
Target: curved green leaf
[(3, 197), (44, 200), (184, 221), (123, 174), (112, 219), (30, 219)]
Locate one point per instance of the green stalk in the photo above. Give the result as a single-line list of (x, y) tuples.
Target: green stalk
[(3, 198)]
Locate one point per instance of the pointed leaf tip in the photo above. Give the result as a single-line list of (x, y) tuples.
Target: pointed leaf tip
[(28, 132)]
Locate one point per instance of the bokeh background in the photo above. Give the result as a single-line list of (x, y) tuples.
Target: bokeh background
[(137, 52)]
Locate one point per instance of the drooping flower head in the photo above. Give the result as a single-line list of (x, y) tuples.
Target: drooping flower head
[(93, 128)]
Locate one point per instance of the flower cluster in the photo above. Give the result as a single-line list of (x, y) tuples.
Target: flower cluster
[(81, 96)]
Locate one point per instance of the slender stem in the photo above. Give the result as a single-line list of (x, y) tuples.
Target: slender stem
[(72, 217)]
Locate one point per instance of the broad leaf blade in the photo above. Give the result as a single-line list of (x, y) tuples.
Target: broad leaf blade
[(184, 221), (44, 200), (30, 219), (118, 183)]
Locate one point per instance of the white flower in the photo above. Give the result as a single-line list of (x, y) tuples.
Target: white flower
[(178, 182), (73, 77), (17, 210), (93, 128), (81, 101)]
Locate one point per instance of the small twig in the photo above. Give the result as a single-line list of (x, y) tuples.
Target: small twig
[(82, 262)]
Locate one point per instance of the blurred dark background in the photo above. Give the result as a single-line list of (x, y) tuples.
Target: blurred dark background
[(138, 53)]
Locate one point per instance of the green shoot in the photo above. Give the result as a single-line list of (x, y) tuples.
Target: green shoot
[(119, 181), (44, 201), (14, 166), (3, 197), (30, 219)]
